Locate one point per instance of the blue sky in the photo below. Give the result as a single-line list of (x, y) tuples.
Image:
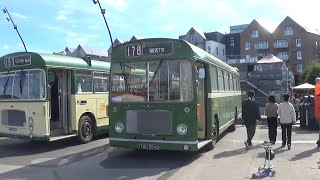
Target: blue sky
[(51, 25)]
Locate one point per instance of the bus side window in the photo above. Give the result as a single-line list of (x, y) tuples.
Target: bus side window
[(83, 81)]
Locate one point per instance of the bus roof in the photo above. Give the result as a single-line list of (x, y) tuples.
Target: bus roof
[(180, 49), (22, 60)]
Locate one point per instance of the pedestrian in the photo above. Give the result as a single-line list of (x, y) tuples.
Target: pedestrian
[(250, 115), (287, 118), (270, 111), (296, 105), (317, 105)]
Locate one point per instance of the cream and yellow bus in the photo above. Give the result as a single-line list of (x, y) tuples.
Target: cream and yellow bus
[(47, 97)]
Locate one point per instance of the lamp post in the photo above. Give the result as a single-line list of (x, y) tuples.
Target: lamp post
[(5, 10), (103, 11)]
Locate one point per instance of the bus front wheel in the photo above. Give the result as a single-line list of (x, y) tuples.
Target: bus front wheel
[(215, 134), (85, 133)]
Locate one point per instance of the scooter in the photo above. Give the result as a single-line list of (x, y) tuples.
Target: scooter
[(267, 168)]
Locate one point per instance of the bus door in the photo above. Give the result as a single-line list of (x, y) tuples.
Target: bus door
[(60, 92), (201, 103)]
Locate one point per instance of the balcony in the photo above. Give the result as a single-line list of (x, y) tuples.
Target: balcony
[(279, 45), (261, 46), (248, 60), (267, 75), (283, 57)]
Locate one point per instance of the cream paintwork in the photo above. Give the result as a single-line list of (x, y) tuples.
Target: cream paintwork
[(96, 104), (32, 109)]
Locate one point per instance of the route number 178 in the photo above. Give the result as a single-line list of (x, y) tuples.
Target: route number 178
[(133, 50)]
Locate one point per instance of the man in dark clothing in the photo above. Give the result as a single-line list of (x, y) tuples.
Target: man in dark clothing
[(250, 115)]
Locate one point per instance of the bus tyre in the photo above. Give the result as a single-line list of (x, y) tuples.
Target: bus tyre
[(85, 133), (232, 128), (215, 134)]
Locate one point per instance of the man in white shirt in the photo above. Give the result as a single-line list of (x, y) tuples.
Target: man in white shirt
[(287, 118)]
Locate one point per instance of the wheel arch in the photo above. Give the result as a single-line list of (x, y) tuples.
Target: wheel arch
[(93, 119)]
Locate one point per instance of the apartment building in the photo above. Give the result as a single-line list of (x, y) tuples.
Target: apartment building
[(212, 42), (291, 42)]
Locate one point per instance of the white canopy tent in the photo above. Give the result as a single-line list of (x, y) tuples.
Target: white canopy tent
[(304, 86)]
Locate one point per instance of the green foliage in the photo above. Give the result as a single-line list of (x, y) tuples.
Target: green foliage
[(311, 72)]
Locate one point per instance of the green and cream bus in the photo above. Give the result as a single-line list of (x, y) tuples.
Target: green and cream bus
[(47, 97), (183, 99)]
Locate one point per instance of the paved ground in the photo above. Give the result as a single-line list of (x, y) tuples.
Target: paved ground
[(96, 160)]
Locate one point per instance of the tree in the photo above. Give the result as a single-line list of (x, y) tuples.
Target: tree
[(311, 72)]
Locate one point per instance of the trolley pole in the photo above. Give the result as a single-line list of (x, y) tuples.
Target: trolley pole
[(5, 10), (103, 12)]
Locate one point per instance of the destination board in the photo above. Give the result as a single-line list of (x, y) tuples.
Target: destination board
[(149, 49), (22, 60)]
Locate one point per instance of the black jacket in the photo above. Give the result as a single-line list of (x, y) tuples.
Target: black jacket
[(250, 112)]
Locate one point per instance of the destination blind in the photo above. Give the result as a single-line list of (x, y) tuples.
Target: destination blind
[(22, 60)]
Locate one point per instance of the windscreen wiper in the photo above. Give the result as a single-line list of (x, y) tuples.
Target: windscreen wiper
[(123, 68), (5, 87), (156, 72), (21, 80)]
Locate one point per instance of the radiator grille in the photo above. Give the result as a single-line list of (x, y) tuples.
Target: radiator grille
[(154, 121), (13, 118)]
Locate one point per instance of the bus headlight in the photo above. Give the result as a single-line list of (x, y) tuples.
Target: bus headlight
[(182, 129), (119, 127)]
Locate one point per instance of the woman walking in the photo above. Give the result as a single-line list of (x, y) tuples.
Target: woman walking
[(270, 111)]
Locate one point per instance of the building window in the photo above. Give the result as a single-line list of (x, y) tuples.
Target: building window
[(281, 43), (192, 41), (299, 68), (299, 55), (231, 43), (222, 52), (318, 56), (283, 56), (262, 45), (217, 51), (288, 31), (247, 46), (298, 42), (254, 33), (317, 47), (209, 49)]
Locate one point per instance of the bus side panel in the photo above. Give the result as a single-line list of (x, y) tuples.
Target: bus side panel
[(101, 113), (94, 104), (15, 121)]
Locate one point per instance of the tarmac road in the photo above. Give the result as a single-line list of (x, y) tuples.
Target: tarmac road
[(96, 160)]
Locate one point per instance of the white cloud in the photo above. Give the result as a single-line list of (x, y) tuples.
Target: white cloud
[(6, 46), (304, 12), (267, 23), (18, 15), (120, 5), (61, 17), (167, 28), (164, 3), (73, 39)]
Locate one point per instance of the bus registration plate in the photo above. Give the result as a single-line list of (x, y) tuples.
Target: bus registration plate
[(149, 146)]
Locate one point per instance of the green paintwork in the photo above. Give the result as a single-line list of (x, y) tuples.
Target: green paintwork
[(102, 130), (182, 51), (41, 60)]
